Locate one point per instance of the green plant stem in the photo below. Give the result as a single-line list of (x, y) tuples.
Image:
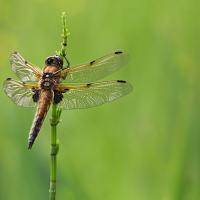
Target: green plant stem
[(55, 118), (54, 151)]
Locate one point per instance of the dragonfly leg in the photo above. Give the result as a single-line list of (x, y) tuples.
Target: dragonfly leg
[(36, 95), (58, 96)]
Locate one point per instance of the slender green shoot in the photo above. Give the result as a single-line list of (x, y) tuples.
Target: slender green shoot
[(55, 118), (65, 34)]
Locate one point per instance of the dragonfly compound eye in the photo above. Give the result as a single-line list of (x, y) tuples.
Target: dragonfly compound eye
[(55, 61), (49, 61), (59, 61)]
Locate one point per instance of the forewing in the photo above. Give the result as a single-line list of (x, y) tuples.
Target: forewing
[(96, 69), (93, 94), (20, 93), (24, 70)]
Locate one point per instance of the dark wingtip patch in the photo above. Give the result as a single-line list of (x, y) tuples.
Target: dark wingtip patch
[(118, 52), (89, 84), (26, 61), (8, 79), (121, 81), (92, 62), (15, 52)]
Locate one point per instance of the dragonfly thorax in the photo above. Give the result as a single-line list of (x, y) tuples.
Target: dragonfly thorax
[(47, 75), (47, 84), (47, 81)]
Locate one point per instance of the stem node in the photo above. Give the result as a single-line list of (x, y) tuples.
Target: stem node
[(54, 149)]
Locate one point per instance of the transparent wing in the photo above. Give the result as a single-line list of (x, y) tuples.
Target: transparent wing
[(19, 92), (24, 70), (96, 69), (92, 94)]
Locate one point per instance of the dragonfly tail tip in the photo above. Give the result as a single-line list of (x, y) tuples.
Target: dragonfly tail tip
[(30, 145)]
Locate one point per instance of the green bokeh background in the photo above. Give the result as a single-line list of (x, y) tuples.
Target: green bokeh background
[(144, 146)]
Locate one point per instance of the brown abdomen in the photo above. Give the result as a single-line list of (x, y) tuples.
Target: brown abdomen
[(44, 103)]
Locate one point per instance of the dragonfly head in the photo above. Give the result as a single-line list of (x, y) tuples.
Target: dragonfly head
[(54, 60)]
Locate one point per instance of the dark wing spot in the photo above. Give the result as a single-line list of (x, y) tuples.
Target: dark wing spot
[(89, 84), (121, 81), (118, 52), (8, 79), (15, 52), (92, 62), (64, 44), (25, 61)]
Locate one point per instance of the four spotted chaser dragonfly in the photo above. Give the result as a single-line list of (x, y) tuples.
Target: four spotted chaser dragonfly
[(70, 87)]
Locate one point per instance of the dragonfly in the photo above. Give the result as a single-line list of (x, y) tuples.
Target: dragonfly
[(68, 87)]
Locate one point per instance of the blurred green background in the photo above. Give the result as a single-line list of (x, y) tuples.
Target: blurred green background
[(144, 146)]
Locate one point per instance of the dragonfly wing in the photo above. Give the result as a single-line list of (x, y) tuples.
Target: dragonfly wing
[(96, 69), (24, 70), (20, 93), (92, 94)]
